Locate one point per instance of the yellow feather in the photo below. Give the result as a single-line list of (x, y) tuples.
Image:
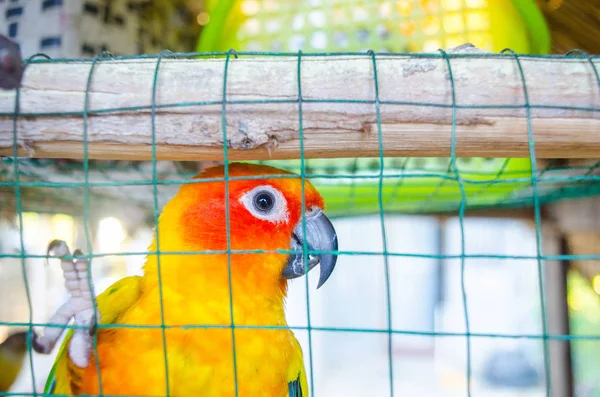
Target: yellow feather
[(194, 293)]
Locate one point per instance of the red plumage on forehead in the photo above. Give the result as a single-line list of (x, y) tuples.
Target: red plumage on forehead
[(203, 216)]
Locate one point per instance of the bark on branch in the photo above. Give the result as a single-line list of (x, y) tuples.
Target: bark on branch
[(262, 112)]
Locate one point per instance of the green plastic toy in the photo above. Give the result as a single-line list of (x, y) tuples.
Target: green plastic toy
[(390, 26)]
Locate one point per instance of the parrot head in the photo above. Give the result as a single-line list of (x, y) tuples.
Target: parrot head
[(265, 213)]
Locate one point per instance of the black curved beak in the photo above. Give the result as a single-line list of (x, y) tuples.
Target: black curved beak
[(320, 236)]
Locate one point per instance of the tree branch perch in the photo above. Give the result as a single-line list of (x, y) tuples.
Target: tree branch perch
[(262, 110)]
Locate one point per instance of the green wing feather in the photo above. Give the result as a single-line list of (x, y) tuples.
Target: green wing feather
[(51, 381)]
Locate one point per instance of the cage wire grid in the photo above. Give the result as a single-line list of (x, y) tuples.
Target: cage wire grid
[(576, 181)]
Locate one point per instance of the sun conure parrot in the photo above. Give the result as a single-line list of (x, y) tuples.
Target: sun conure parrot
[(12, 353), (265, 213)]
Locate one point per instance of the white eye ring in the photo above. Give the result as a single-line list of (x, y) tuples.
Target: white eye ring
[(277, 214)]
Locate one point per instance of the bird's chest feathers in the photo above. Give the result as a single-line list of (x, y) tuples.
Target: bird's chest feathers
[(202, 349), (193, 302)]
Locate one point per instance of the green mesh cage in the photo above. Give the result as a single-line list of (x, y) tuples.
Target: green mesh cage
[(351, 186)]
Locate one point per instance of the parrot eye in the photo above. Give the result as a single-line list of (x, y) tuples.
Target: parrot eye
[(266, 203)]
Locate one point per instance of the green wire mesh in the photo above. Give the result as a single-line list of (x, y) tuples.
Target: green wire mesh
[(351, 186), (409, 185)]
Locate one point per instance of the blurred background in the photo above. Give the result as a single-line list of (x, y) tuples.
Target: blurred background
[(424, 245)]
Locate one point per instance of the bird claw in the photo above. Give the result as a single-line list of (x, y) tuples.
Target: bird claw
[(80, 306), (59, 247)]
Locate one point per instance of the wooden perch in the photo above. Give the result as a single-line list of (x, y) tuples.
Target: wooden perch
[(266, 126)]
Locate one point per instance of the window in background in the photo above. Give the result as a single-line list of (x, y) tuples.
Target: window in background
[(426, 298)]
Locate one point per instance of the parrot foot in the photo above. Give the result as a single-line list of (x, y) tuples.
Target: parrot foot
[(80, 306)]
